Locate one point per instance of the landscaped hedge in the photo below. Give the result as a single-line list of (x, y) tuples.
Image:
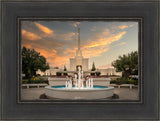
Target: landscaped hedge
[(58, 74), (124, 80), (34, 80), (92, 74)]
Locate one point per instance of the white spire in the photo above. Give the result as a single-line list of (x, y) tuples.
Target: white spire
[(78, 52), (78, 38)]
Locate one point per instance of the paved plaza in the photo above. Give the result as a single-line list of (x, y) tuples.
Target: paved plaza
[(123, 93)]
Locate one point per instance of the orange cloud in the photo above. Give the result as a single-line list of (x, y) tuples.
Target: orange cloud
[(51, 55), (88, 53), (106, 32), (29, 35), (67, 36), (27, 46), (123, 27), (105, 40), (71, 51), (96, 48), (56, 59), (43, 28)]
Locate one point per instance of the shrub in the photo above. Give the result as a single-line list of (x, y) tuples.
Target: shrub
[(34, 80), (136, 82), (92, 74), (98, 73), (25, 81), (65, 74), (124, 80), (133, 81), (58, 74), (113, 82)]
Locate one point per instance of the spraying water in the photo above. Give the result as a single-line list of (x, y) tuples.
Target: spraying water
[(79, 81)]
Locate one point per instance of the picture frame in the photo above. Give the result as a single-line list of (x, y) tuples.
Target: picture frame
[(145, 108)]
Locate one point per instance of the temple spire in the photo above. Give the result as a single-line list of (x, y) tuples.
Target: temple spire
[(78, 52), (78, 38)]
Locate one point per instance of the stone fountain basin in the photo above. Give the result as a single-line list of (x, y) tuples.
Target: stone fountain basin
[(98, 92)]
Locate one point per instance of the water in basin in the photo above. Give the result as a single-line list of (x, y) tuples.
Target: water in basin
[(64, 86)]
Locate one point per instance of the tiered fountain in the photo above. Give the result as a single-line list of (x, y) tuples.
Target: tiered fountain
[(79, 88)]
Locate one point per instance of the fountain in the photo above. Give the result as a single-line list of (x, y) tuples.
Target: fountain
[(79, 88), (79, 83)]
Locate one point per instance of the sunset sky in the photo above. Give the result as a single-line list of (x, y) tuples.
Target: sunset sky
[(101, 42)]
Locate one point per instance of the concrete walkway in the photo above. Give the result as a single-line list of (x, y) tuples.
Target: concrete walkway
[(123, 93)]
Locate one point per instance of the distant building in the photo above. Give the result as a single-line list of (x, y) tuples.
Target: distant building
[(51, 71), (109, 72)]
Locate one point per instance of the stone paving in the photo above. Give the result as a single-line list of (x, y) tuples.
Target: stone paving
[(123, 93)]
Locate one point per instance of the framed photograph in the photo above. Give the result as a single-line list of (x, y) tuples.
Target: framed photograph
[(75, 67), (80, 60)]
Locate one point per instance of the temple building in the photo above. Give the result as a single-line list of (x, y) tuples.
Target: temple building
[(79, 60)]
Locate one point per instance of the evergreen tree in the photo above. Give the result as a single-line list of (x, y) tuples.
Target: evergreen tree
[(93, 67), (65, 69)]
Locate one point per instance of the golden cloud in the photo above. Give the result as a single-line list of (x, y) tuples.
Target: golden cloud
[(29, 35), (51, 55), (67, 36), (123, 26), (106, 32), (105, 40), (88, 53), (96, 48), (43, 28)]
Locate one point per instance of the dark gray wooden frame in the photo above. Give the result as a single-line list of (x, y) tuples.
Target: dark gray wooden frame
[(147, 108)]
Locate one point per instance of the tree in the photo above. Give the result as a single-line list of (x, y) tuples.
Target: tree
[(98, 73), (127, 64), (32, 61), (93, 69), (65, 69)]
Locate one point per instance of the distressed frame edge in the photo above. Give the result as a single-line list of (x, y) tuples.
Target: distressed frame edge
[(158, 74)]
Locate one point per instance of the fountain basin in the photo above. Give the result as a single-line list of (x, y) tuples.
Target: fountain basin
[(61, 92)]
